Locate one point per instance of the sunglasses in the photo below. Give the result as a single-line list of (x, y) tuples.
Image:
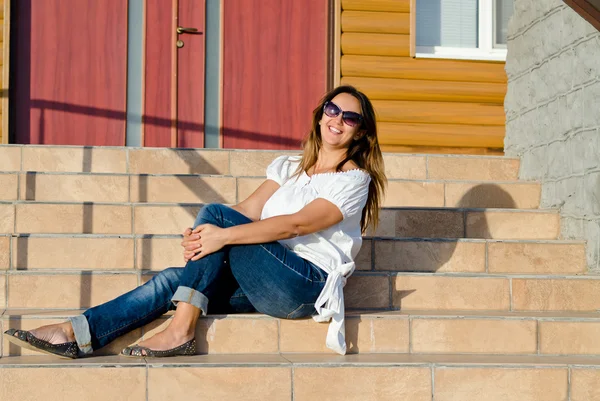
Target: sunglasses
[(350, 118)]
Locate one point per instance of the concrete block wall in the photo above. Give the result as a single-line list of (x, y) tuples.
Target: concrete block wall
[(553, 112)]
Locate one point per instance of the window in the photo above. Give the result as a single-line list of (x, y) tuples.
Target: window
[(462, 29)]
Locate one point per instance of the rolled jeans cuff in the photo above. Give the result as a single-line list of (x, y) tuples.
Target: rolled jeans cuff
[(81, 328), (191, 296)]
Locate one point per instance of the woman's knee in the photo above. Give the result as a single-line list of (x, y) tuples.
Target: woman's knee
[(169, 277), (209, 214)]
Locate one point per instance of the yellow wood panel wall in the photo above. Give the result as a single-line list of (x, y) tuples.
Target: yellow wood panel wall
[(444, 105)]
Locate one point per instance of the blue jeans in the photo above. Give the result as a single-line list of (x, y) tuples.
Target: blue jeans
[(268, 278)]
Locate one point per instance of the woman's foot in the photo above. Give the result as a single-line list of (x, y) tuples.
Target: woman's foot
[(59, 333), (169, 342)]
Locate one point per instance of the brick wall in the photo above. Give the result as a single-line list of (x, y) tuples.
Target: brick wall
[(553, 112)]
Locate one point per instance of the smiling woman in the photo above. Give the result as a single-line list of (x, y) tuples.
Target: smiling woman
[(285, 251)]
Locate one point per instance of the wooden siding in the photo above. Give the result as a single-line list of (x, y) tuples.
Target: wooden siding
[(438, 105)]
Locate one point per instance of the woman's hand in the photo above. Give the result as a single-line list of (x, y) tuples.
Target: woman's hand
[(212, 239), (191, 244)]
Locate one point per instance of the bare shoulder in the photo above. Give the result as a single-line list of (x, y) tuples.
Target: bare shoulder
[(350, 165)]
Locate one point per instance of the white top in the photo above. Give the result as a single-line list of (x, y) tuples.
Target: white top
[(333, 249)]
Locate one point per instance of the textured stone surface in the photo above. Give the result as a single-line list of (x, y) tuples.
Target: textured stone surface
[(75, 159), (422, 194), (10, 158), (405, 167), (498, 384), (7, 219), (85, 384), (74, 187), (569, 338), (163, 219), (4, 253), (584, 385), (219, 383), (367, 292), (552, 105), (183, 189), (556, 294), (474, 335), (362, 383), (8, 186), (536, 258), (472, 168), (178, 161), (508, 225)]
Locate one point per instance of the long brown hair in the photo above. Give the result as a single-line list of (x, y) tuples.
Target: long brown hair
[(364, 152)]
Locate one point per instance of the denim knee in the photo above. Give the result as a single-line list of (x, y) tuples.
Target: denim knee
[(209, 214), (169, 277)]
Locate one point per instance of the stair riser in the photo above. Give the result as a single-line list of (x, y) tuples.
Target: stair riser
[(190, 189), (34, 218), (113, 253), (236, 163), (364, 335), (371, 291), (279, 382)]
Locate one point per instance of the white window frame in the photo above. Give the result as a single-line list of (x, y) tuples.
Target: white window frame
[(487, 39)]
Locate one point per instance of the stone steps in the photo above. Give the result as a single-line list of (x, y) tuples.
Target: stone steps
[(365, 290), (407, 331), (103, 252), (104, 187), (304, 377), (23, 217)]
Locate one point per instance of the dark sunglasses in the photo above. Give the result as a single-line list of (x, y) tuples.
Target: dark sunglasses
[(348, 117)]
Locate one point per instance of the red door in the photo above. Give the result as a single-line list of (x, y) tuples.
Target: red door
[(70, 71), (274, 71), (174, 76)]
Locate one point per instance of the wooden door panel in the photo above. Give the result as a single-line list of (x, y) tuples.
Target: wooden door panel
[(71, 63), (190, 76), (274, 71)]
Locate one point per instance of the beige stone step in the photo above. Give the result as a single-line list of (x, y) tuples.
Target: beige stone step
[(104, 252), (415, 332), (365, 290), (115, 188), (142, 218), (303, 377), (242, 163)]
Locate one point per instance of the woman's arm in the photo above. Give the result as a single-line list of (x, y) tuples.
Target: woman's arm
[(316, 216), (252, 206)]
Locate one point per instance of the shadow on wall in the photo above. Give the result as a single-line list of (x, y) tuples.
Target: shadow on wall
[(465, 224)]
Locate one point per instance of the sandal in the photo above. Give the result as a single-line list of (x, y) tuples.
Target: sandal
[(135, 351), (27, 340)]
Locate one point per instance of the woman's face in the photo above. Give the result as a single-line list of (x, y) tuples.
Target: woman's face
[(334, 131)]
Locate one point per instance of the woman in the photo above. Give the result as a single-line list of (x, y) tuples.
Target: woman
[(286, 251)]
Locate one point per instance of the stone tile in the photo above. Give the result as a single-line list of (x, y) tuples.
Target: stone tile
[(230, 335), (8, 187), (82, 383), (445, 292), (500, 384), (556, 294), (362, 383), (429, 224), (72, 253), (569, 338), (2, 290), (584, 385), (426, 256), (8, 349), (364, 257), (158, 253), (507, 225), (363, 334), (511, 196), (183, 189), (7, 219), (74, 188), (387, 224), (74, 159), (178, 161), (220, 383), (73, 219), (405, 167), (10, 158), (66, 290), (163, 219), (4, 253), (406, 193), (472, 168), (367, 292), (246, 186), (536, 258), (474, 336), (253, 163)]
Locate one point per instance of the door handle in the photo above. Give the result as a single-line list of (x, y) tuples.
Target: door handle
[(181, 30)]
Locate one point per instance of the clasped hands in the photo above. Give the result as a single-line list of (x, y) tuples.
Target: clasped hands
[(202, 241)]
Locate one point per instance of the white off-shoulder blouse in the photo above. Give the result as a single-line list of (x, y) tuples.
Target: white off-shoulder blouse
[(333, 249)]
